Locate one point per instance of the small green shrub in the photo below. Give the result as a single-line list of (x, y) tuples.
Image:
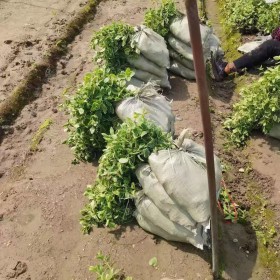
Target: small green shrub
[(249, 16), (105, 270), (92, 111), (258, 108), (113, 46), (268, 17), (110, 198)]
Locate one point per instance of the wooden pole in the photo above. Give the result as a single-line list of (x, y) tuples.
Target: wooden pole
[(200, 72)]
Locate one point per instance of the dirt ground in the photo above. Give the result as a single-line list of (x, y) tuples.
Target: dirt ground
[(41, 193), (28, 29)]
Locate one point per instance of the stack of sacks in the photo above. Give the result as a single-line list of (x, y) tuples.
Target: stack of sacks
[(147, 101), (153, 60), (180, 46), (174, 202)]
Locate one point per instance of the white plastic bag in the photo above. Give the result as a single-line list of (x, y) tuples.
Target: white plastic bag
[(148, 101), (151, 45), (148, 77), (134, 84), (180, 47), (179, 69), (275, 131), (177, 57), (180, 29), (146, 65), (157, 194), (183, 176), (211, 45), (152, 219)]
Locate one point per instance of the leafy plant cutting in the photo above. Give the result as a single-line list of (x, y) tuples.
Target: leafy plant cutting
[(113, 46), (110, 198), (104, 270), (159, 19), (92, 111)]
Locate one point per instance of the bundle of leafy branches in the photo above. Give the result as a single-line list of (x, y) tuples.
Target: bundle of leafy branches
[(249, 16), (113, 46), (110, 198), (160, 18), (92, 111), (258, 108)]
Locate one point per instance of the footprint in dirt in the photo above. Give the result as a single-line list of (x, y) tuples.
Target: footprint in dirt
[(16, 270)]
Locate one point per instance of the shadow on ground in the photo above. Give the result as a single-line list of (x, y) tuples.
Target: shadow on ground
[(179, 89), (238, 251)]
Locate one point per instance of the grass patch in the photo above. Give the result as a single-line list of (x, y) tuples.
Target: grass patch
[(25, 92), (38, 137), (263, 220), (230, 38)]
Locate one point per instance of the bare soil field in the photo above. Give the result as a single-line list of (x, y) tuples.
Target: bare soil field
[(27, 30), (41, 192)]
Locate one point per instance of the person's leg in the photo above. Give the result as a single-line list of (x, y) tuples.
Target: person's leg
[(266, 50)]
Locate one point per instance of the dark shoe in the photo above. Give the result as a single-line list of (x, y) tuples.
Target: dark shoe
[(218, 67)]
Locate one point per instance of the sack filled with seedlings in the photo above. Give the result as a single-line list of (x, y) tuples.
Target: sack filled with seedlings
[(181, 70), (174, 203), (149, 102), (151, 45)]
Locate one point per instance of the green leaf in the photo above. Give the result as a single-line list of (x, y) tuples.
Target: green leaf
[(123, 160), (153, 262)]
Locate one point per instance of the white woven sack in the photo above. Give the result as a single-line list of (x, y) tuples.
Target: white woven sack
[(249, 46), (147, 225), (211, 45), (134, 84), (148, 101), (151, 45), (146, 65), (180, 47), (197, 150), (180, 29), (179, 69), (155, 191), (184, 178), (177, 57), (148, 77), (160, 225), (275, 131)]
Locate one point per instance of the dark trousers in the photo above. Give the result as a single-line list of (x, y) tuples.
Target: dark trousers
[(266, 50)]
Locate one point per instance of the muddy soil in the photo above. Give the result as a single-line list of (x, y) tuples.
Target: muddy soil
[(41, 193), (27, 30)]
